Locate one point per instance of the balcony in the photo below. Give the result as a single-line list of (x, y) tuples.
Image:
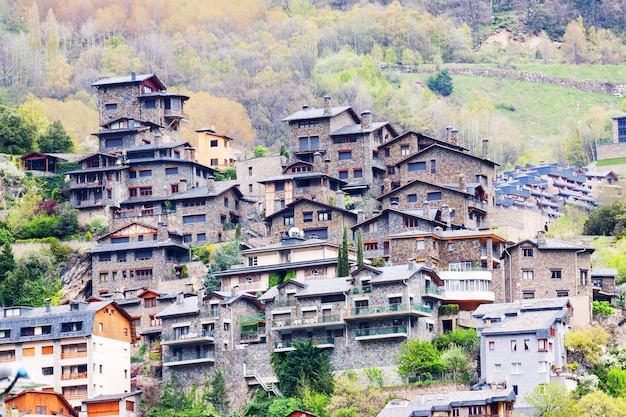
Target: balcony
[(321, 343), (381, 333), (389, 310), (187, 338), (435, 292), (75, 397), (68, 355), (189, 359), (76, 375), (286, 303), (310, 322), (85, 185), (252, 336)]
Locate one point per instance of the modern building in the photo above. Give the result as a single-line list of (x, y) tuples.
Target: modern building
[(213, 150), (521, 343), (72, 344)]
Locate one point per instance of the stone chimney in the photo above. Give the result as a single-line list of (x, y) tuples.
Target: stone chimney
[(180, 298), (541, 237), (326, 165), (327, 108), (158, 139), (200, 297), (366, 120), (386, 186), (394, 205), (317, 162), (305, 107), (485, 152), (445, 215), (427, 209), (448, 133), (234, 290), (182, 185), (411, 264), (360, 216), (133, 76), (454, 137), (489, 250), (462, 182), (48, 305), (162, 232), (277, 205), (210, 184), (339, 201)]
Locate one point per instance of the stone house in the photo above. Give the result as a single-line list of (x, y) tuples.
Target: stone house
[(250, 170), (603, 282), (313, 218), (361, 319), (300, 180), (213, 150), (137, 255), (521, 343), (545, 268), (72, 344), (461, 206), (304, 259)]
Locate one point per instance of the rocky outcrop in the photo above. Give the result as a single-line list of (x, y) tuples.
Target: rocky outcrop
[(76, 276)]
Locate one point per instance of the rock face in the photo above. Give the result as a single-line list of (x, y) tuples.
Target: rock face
[(76, 277)]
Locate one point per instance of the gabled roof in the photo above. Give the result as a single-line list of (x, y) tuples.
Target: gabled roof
[(110, 397), (417, 182), (418, 134), (412, 213), (300, 175), (358, 128), (552, 244), (187, 306), (298, 201), (119, 229), (71, 411), (37, 154), (309, 113), (129, 79), (446, 148)]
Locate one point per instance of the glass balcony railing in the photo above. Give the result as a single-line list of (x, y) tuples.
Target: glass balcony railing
[(187, 336), (381, 331), (189, 357)]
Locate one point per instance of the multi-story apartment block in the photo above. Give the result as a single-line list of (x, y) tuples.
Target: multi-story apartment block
[(314, 218), (521, 343), (490, 403), (137, 255), (72, 345), (249, 171), (545, 268), (295, 256), (213, 150)]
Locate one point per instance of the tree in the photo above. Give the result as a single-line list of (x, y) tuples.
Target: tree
[(306, 364), (441, 83), (588, 343), (418, 357), (343, 262), (550, 400), (7, 261), (282, 407), (601, 310), (575, 42), (359, 247), (17, 136), (56, 139), (467, 339), (599, 404), (260, 151), (455, 360), (616, 382), (218, 395), (604, 219)]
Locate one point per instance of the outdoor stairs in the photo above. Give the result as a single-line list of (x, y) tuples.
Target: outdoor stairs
[(269, 387)]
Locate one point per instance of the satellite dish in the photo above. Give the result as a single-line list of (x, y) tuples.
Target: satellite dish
[(295, 232)]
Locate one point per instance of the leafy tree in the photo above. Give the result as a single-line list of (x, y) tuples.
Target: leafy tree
[(60, 251), (56, 139), (418, 357), (602, 310), (218, 395), (282, 407), (352, 400), (455, 360), (99, 226), (312, 401), (230, 173), (467, 339), (343, 262), (305, 363), (31, 282), (7, 261), (67, 221), (359, 247), (604, 219), (599, 404), (441, 83), (378, 262), (575, 42), (550, 400), (224, 257), (616, 382), (17, 135), (259, 406), (587, 344), (260, 151), (375, 377)]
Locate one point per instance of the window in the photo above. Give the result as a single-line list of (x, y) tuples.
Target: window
[(343, 174), (417, 166), (526, 344), (249, 171), (543, 367), (124, 239), (492, 345), (201, 237), (150, 104), (528, 294), (214, 143), (307, 216), (104, 276), (562, 293), (252, 261), (132, 174), (149, 302), (48, 370), (74, 326), (404, 150), (27, 331), (145, 173), (143, 273), (434, 196), (226, 326), (288, 220), (391, 170), (542, 344), (433, 166), (583, 277), (171, 170), (46, 329), (528, 274), (47, 350), (194, 218), (345, 155), (214, 162), (121, 256), (358, 173), (29, 351), (516, 368), (279, 186), (323, 216), (555, 273), (527, 252), (513, 345), (497, 367), (320, 233), (143, 254), (420, 244), (411, 198), (105, 257), (114, 142), (110, 106)]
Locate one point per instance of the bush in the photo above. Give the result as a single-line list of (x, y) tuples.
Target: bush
[(61, 252), (99, 226), (441, 83), (449, 310)]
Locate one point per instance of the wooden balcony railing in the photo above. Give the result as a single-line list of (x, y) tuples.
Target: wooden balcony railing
[(77, 375), (67, 355)]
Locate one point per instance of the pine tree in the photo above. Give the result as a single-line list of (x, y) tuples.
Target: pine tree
[(343, 264), (7, 261), (359, 254), (217, 396)]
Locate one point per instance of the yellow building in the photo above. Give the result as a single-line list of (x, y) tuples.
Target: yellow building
[(213, 150)]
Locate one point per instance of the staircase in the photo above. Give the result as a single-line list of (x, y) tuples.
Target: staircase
[(273, 388)]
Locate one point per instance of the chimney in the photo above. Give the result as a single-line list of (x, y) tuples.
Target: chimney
[(394, 205), (317, 162), (411, 264), (339, 201), (234, 290), (445, 215), (541, 237), (305, 107), (182, 185), (210, 184), (162, 232), (427, 209), (133, 76), (48, 309), (366, 120), (326, 165), (277, 205), (327, 108), (180, 298), (454, 136), (386, 186), (429, 261), (360, 216), (448, 133), (158, 139), (485, 148), (200, 297), (462, 183)]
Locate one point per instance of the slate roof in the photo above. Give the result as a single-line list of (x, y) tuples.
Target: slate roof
[(315, 113), (146, 244), (358, 128), (553, 244), (188, 306), (127, 79)]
